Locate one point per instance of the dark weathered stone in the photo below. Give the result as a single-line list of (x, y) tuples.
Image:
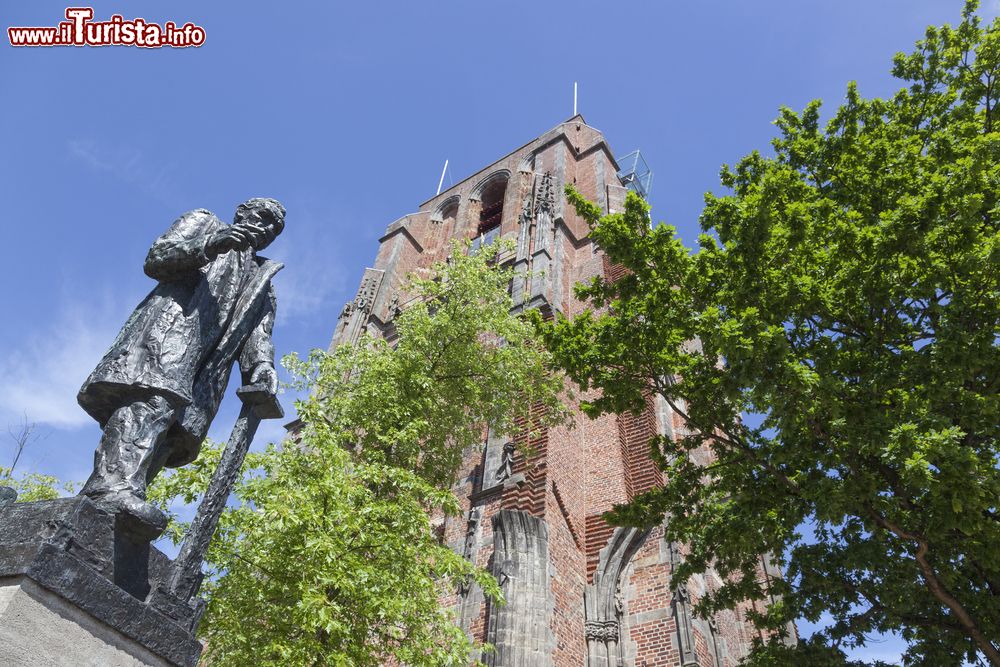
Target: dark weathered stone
[(521, 258), (72, 548), (541, 267), (520, 629), (492, 460), (790, 636), (353, 320), (7, 495), (469, 547)]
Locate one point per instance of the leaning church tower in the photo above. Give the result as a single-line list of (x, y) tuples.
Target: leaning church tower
[(579, 592)]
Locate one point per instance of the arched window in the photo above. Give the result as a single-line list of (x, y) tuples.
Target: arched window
[(450, 212), (491, 212), (447, 211)]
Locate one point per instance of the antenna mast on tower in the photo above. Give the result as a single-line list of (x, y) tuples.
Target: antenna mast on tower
[(441, 181)]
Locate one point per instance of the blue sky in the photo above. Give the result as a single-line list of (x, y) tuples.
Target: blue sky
[(346, 112)]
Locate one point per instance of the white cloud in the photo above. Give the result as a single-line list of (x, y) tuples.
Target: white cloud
[(314, 271), (41, 377), (127, 164)]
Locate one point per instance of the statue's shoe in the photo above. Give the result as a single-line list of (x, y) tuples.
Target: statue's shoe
[(139, 517)]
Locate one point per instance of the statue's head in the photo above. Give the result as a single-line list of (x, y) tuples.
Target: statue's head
[(263, 212)]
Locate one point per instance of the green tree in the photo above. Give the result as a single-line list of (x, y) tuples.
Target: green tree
[(844, 298), (329, 556)]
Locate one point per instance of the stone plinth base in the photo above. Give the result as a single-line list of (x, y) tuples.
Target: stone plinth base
[(75, 590), (39, 629)]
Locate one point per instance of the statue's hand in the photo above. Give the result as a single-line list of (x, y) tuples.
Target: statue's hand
[(256, 233), (232, 237), (266, 376)]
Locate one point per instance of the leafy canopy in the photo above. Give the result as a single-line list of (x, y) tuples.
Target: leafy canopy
[(329, 556), (845, 298)]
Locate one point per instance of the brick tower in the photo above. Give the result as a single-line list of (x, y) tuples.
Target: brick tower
[(578, 591)]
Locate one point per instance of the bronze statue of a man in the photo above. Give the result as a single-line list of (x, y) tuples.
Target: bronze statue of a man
[(158, 388)]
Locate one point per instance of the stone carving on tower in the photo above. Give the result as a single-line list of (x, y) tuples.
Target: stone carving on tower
[(469, 546), (354, 317), (682, 614), (521, 253), (602, 600)]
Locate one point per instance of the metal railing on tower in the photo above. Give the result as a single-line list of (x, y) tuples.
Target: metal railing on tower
[(635, 174)]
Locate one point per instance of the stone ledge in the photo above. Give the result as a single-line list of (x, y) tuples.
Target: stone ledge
[(647, 616), (509, 483), (72, 549)]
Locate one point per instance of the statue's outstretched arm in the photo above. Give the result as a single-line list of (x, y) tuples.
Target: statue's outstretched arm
[(182, 249)]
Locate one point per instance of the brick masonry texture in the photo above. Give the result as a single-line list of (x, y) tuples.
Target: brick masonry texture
[(552, 531)]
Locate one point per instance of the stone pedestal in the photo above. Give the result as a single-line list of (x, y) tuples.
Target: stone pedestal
[(75, 590), (40, 629)]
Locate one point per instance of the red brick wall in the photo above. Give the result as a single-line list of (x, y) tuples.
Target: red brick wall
[(566, 584), (612, 272), (635, 433), (649, 620), (529, 496)]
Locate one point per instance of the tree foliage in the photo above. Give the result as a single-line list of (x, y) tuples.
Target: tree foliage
[(30, 486), (845, 298), (329, 556)]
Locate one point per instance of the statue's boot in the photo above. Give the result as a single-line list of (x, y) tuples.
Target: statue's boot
[(130, 454), (143, 519)]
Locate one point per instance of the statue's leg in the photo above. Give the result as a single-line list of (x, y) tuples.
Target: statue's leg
[(130, 453)]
